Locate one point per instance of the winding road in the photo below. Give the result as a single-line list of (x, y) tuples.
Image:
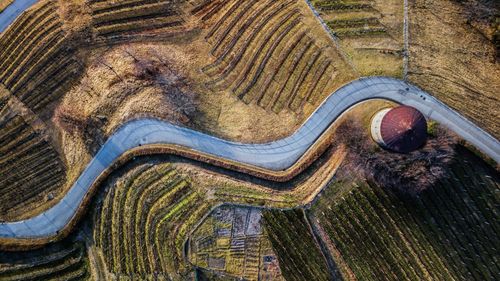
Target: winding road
[(276, 155), (13, 11)]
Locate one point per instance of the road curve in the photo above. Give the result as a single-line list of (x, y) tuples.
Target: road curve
[(276, 155), (12, 11)]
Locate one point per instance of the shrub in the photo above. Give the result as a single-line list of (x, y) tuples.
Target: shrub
[(410, 173)]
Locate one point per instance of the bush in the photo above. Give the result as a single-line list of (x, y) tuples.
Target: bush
[(410, 173)]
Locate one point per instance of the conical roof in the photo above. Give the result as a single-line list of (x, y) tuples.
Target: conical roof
[(403, 129)]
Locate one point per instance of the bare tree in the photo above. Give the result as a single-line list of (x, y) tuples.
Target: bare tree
[(410, 173), (102, 60)]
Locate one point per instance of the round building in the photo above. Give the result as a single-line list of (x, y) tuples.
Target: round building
[(400, 129)]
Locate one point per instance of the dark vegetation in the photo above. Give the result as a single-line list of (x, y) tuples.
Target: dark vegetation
[(206, 275), (65, 260), (299, 255), (30, 167), (447, 232), (410, 173), (266, 55)]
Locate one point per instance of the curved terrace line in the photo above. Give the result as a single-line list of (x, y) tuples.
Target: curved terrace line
[(277, 155)]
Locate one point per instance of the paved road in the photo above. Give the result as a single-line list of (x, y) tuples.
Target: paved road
[(276, 155), (13, 11)]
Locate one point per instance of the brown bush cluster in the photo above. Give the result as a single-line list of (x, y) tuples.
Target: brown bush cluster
[(410, 173)]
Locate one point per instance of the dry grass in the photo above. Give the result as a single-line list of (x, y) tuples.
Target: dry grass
[(372, 53), (300, 191), (160, 79), (452, 56), (4, 4), (163, 79)]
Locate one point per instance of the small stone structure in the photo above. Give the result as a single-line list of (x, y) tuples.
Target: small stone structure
[(400, 129)]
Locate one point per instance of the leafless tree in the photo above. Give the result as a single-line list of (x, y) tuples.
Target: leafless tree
[(410, 173)]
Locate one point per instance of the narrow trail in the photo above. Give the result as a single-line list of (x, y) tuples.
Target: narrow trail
[(332, 35), (406, 34)]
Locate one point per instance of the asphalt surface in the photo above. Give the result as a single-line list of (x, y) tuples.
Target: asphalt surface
[(12, 11), (276, 155)]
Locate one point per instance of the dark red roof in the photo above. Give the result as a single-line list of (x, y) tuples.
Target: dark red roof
[(404, 129)]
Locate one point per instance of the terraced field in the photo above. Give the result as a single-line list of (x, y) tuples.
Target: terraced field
[(150, 220), (61, 261), (370, 31), (37, 63), (298, 253), (266, 55), (30, 167), (206, 9), (119, 20), (362, 21), (448, 232), (143, 221)]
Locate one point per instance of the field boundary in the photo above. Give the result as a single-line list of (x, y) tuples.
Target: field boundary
[(249, 158)]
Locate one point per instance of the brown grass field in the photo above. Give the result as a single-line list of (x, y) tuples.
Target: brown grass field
[(453, 56), (71, 72)]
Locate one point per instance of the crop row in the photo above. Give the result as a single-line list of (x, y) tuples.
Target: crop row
[(299, 256), (356, 32), (28, 164), (265, 55), (36, 63), (363, 20), (143, 221), (112, 19), (329, 6), (105, 6), (23, 22), (55, 262), (206, 9), (446, 233)]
